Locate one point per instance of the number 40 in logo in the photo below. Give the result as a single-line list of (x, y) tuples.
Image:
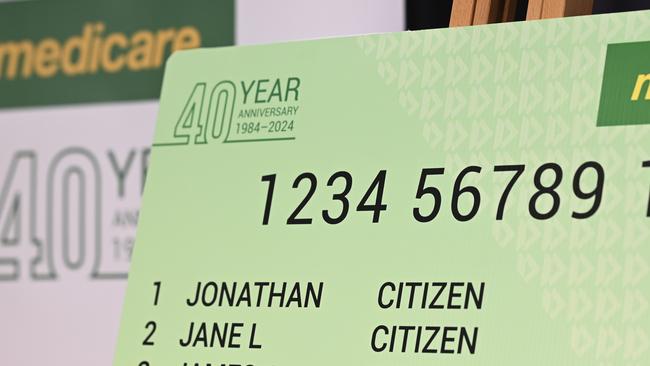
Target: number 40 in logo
[(199, 123)]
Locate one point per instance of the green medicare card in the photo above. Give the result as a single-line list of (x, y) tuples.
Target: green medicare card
[(472, 196)]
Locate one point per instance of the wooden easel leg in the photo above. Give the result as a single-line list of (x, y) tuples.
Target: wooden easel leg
[(534, 9), (578, 7), (509, 11), (475, 12), (488, 11), (462, 13), (545, 9)]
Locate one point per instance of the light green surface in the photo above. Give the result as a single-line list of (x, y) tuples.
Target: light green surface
[(558, 292)]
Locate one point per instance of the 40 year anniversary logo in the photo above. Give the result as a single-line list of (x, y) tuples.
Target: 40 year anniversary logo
[(243, 111)]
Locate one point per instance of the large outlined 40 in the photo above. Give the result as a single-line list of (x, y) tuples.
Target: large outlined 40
[(197, 123), (72, 237)]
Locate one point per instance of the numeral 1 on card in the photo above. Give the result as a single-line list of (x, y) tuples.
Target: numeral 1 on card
[(646, 164)]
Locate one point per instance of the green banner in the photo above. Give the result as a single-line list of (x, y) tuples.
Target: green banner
[(89, 51), (625, 95)]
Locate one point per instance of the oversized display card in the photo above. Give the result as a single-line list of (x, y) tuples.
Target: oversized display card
[(460, 196)]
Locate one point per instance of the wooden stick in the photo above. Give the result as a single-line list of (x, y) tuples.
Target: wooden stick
[(509, 11), (534, 9), (475, 12), (462, 13), (578, 7), (545, 9), (488, 11)]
